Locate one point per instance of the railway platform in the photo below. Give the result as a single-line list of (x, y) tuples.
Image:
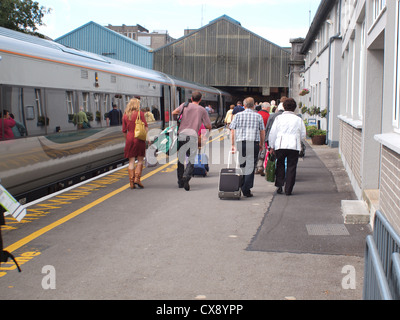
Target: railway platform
[(102, 240)]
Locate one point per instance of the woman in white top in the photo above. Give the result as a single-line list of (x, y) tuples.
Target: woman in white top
[(285, 138)]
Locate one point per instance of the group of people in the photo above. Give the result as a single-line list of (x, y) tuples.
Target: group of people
[(281, 132), (9, 127)]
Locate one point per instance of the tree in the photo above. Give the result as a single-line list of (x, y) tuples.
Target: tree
[(22, 15)]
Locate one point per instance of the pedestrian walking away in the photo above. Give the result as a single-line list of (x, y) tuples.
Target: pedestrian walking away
[(285, 139), (192, 116), (264, 112), (114, 117), (239, 108), (248, 137), (134, 147), (80, 119)]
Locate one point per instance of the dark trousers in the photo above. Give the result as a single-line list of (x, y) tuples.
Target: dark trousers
[(292, 157), (187, 150), (248, 156)]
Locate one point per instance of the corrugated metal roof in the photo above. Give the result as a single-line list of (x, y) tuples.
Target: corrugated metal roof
[(95, 38), (223, 53)]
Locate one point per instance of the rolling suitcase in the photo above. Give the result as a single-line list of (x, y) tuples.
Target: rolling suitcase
[(230, 180), (201, 165)]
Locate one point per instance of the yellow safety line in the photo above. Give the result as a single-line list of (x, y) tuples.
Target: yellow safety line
[(76, 213)]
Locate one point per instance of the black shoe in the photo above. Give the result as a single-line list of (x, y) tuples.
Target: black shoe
[(248, 195), (180, 184), (279, 190), (186, 184)]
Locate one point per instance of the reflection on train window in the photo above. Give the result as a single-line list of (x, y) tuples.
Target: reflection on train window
[(106, 104), (30, 113), (96, 97), (38, 98), (70, 105), (85, 101)]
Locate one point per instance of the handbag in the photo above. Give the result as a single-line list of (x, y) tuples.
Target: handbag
[(140, 129), (270, 169)]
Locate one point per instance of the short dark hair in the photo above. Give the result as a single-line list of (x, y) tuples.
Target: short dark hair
[(289, 104), (196, 96)]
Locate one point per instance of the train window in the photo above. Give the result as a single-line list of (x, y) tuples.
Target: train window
[(38, 100)]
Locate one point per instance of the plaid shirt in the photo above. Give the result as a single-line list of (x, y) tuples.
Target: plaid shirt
[(248, 125)]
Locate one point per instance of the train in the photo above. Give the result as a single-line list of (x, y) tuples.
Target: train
[(43, 84)]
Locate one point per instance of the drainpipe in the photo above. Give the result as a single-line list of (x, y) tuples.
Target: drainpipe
[(335, 37)]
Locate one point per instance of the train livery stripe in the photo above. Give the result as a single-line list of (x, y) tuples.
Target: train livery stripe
[(102, 70)]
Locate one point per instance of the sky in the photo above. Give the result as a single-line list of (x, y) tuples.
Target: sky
[(275, 20)]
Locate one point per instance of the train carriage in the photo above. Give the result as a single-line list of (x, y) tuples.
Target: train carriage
[(43, 84)]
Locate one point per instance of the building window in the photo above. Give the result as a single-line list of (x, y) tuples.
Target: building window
[(396, 104), (362, 73), (378, 6)]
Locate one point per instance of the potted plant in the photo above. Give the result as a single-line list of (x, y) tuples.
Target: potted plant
[(304, 92), (318, 136), (43, 121), (98, 116), (310, 130), (89, 116)]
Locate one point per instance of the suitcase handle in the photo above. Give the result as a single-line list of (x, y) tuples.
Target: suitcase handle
[(230, 157)]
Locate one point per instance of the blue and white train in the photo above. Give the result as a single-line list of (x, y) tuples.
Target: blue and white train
[(43, 84)]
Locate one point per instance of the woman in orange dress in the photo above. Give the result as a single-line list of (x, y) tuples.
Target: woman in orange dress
[(134, 148)]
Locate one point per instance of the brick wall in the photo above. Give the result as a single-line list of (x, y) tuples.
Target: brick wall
[(390, 187), (350, 141)]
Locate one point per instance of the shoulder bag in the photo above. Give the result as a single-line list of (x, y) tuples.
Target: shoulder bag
[(140, 129)]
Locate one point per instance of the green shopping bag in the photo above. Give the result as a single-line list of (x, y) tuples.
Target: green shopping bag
[(270, 169)]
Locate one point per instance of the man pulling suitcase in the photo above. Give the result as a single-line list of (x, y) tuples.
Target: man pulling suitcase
[(192, 117), (248, 138)]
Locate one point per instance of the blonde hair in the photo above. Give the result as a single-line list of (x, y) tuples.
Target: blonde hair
[(132, 106)]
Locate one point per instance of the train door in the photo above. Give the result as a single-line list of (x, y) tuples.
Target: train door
[(166, 105)]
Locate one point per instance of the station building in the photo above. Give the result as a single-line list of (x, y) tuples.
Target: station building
[(100, 40), (225, 55), (154, 40), (352, 69)]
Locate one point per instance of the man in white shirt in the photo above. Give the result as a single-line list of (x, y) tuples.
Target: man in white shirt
[(287, 132)]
